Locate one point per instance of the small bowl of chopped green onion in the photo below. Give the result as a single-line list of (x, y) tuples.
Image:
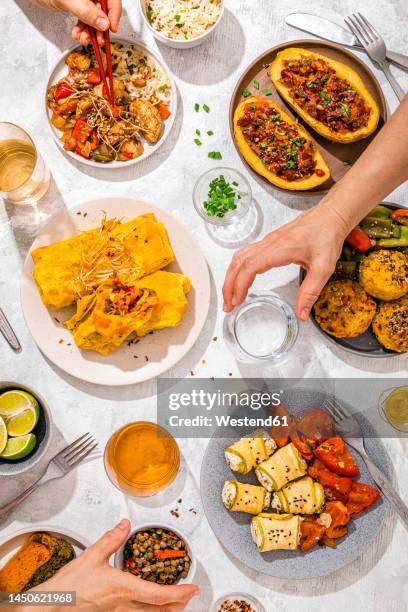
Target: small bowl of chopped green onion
[(222, 196)]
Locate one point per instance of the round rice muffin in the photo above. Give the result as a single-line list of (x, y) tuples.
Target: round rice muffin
[(390, 325), (384, 274), (344, 309)]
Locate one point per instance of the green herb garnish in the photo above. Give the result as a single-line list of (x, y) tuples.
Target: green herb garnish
[(214, 155), (256, 84), (206, 108), (198, 142), (177, 17), (266, 92), (198, 132), (210, 133), (246, 93), (221, 197), (196, 107), (345, 109)]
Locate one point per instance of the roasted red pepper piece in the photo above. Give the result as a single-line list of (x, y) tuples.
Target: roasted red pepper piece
[(304, 446), (361, 497), (94, 77), (63, 91), (337, 458), (164, 111), (339, 484), (340, 517), (359, 240), (400, 216), (310, 533), (81, 131)]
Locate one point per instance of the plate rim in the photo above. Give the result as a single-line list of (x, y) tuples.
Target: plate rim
[(27, 278), (320, 574), (280, 47), (73, 535), (332, 339), (152, 149)]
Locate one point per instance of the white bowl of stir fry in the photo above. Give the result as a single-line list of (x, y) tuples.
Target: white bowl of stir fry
[(92, 131)]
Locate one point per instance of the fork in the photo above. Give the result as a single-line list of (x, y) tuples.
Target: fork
[(374, 46), (349, 428), (57, 467)]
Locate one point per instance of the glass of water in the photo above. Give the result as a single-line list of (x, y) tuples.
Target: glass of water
[(24, 176), (263, 329)]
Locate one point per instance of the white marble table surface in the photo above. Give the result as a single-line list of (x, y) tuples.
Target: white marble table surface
[(31, 41)]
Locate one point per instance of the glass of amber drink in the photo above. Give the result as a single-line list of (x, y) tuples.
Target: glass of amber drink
[(142, 459)]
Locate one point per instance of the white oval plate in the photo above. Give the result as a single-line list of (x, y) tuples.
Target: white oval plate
[(60, 69), (163, 349), (12, 542)]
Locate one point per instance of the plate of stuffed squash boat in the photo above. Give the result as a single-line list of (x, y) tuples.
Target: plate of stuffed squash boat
[(95, 132), (364, 306), (293, 502), (303, 112), (115, 291)]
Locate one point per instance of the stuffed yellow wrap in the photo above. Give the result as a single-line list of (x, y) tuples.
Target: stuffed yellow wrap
[(248, 452), (106, 318), (68, 270), (170, 289), (243, 497), (302, 496), (275, 531)]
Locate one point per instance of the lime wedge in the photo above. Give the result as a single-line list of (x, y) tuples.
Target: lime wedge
[(15, 401), (23, 423), (3, 435), (17, 448)]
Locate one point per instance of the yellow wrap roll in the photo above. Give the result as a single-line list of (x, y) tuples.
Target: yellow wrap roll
[(275, 532), (242, 497)]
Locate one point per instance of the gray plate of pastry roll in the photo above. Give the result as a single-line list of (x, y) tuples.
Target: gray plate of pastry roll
[(286, 516)]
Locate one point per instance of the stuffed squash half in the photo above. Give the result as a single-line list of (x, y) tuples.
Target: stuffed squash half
[(328, 95), (276, 147)]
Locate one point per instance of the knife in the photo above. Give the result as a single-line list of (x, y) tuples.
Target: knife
[(330, 30), (8, 333)]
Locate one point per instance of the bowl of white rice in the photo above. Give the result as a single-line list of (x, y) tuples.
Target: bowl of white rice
[(182, 24)]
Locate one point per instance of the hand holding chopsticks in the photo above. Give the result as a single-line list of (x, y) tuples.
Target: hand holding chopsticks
[(91, 14), (108, 88)]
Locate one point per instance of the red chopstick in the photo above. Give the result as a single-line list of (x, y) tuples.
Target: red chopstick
[(98, 55), (106, 36)]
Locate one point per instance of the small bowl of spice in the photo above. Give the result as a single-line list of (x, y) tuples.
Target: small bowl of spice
[(160, 554), (237, 602), (222, 196)]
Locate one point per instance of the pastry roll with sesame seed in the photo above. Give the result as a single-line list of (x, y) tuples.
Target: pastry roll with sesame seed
[(276, 531), (242, 497), (248, 452), (302, 496), (285, 465)]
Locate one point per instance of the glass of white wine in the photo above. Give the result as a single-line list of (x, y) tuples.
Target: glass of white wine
[(24, 176)]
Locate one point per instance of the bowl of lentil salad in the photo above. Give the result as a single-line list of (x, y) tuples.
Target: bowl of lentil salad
[(157, 553)]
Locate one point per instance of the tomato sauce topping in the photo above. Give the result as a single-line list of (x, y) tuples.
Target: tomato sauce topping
[(277, 143), (316, 88)]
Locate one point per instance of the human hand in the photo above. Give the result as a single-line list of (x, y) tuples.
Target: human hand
[(99, 586), (89, 14), (314, 241)]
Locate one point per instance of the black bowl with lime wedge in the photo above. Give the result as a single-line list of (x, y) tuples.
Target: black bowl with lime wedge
[(25, 428)]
